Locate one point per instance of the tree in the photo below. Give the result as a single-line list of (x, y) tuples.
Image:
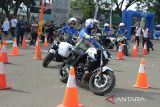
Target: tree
[(86, 7), (17, 6), (151, 6), (6, 5), (28, 4), (119, 5)]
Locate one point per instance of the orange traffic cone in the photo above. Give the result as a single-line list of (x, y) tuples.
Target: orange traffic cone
[(24, 42), (71, 96), (1, 57), (37, 50), (144, 51), (2, 78), (4, 43), (45, 42), (14, 51), (37, 41), (4, 56), (134, 52), (141, 81), (120, 53), (0, 46)]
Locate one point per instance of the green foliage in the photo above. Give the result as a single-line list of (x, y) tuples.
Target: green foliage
[(150, 6), (86, 7), (154, 7), (8, 5)]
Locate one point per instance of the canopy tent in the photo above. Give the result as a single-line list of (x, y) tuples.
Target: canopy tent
[(127, 20)]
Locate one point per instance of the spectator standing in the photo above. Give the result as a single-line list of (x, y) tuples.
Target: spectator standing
[(5, 27), (13, 26), (20, 30), (146, 37), (34, 34), (138, 33)]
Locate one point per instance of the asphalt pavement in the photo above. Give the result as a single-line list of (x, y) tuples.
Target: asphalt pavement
[(35, 86)]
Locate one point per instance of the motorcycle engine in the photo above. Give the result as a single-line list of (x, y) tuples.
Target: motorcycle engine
[(92, 64), (80, 69)]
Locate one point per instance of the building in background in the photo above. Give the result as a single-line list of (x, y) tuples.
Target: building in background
[(60, 11), (55, 10), (35, 10)]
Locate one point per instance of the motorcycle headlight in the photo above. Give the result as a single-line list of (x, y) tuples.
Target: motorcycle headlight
[(92, 53)]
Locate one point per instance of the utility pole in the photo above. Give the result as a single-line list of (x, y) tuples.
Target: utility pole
[(96, 10), (111, 9)]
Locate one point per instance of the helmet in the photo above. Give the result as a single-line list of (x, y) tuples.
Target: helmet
[(106, 25), (91, 23), (121, 24), (72, 21)]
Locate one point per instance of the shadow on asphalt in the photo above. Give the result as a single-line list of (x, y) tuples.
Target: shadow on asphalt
[(55, 67), (14, 64), (83, 86), (19, 91), (8, 63), (118, 70)]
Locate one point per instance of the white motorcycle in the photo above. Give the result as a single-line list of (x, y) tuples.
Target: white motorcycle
[(59, 51), (92, 70)]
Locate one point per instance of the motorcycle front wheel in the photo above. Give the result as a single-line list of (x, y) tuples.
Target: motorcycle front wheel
[(48, 59), (103, 85)]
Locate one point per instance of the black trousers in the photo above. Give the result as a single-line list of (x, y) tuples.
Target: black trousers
[(5, 33), (137, 39), (146, 40), (34, 37), (20, 37), (13, 31), (150, 44), (81, 56)]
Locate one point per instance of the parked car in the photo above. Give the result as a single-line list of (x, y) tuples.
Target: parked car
[(157, 32)]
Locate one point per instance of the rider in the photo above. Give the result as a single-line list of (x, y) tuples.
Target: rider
[(69, 29), (106, 29), (122, 29), (69, 32), (87, 40), (121, 32)]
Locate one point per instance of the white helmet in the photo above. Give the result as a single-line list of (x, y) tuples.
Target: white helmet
[(72, 20), (121, 24), (106, 25), (91, 23)]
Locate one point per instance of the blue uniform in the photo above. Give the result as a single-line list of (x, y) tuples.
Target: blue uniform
[(106, 30), (69, 32), (87, 40), (121, 31)]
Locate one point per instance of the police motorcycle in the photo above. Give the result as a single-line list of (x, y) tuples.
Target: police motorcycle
[(122, 39), (55, 52), (108, 40), (92, 71)]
